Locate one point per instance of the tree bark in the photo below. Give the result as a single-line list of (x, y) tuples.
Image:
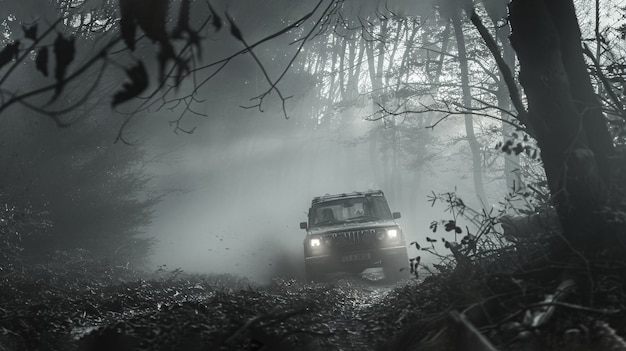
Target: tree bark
[(568, 127), (599, 139)]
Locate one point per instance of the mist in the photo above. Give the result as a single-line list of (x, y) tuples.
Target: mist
[(245, 179)]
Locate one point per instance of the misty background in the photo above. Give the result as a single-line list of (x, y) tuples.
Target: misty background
[(247, 179)]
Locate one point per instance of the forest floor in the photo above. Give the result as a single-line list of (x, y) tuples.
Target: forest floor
[(179, 311), (124, 310)]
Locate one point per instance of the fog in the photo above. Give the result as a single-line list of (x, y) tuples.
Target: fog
[(245, 178), (248, 179), (247, 193)]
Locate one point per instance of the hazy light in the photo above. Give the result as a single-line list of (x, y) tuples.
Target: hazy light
[(392, 233)]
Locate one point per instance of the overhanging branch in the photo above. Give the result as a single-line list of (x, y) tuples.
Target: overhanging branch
[(507, 74)]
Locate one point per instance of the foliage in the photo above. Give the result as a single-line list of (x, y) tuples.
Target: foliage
[(477, 240)]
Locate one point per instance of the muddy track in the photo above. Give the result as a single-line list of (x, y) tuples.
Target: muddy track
[(200, 313)]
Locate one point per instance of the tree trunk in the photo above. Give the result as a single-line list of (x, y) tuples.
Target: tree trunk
[(512, 172), (477, 169), (564, 113)]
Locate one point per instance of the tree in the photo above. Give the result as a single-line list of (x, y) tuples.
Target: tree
[(566, 118), (474, 145), (563, 110), (91, 193)]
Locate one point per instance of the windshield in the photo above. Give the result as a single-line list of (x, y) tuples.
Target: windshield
[(356, 209)]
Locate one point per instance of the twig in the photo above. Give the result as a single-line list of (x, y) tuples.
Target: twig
[(507, 74), (608, 87), (605, 311)]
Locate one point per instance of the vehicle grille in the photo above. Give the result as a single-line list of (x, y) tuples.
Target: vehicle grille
[(363, 237)]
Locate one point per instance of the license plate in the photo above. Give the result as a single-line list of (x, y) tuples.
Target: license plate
[(356, 257)]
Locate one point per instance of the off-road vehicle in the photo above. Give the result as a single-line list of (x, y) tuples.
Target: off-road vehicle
[(352, 232)]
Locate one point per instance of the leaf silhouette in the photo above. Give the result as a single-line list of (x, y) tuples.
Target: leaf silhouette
[(433, 226), (217, 20), (151, 16), (138, 83), (127, 23), (183, 20), (30, 32), (41, 62), (450, 226), (9, 52), (234, 30), (64, 54)]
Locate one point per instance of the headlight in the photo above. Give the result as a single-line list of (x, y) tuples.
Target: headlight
[(392, 233), (315, 242)]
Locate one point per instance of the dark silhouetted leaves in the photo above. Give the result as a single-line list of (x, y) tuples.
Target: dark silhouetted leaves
[(183, 20), (166, 54), (30, 32), (417, 246), (138, 83), (64, 54), (149, 15), (217, 20), (433, 226), (450, 225), (41, 62), (183, 27), (234, 30), (127, 23), (8, 53)]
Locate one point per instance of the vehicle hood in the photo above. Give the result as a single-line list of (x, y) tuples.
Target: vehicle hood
[(352, 226)]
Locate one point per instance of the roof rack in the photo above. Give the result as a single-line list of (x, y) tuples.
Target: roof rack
[(329, 197)]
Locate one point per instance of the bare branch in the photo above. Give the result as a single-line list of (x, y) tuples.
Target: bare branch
[(506, 71), (607, 86), (54, 115)]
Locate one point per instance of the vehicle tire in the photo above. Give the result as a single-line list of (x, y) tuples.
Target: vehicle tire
[(396, 268)]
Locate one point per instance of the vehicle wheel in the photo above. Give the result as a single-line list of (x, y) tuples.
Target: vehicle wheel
[(314, 275), (396, 268)]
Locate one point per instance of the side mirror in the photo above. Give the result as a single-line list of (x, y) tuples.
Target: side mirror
[(303, 225), (396, 215)]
